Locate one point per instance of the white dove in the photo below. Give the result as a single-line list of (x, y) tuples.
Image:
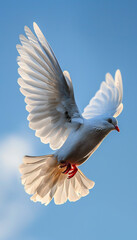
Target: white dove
[(55, 117)]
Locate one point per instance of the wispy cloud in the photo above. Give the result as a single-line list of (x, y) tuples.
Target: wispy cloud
[(12, 149), (15, 215)]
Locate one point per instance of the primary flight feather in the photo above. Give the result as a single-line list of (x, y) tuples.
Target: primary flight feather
[(55, 117)]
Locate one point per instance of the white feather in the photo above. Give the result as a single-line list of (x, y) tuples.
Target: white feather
[(49, 92), (108, 100)]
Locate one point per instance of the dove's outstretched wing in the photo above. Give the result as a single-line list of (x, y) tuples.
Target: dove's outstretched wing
[(48, 91), (108, 99)]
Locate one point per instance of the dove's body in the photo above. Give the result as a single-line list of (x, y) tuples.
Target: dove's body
[(55, 117), (82, 142)]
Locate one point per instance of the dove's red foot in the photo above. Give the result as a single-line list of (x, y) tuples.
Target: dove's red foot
[(70, 169), (73, 171)]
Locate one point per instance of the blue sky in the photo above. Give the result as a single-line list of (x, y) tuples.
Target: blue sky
[(89, 38)]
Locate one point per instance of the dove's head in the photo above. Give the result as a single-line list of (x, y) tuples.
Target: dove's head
[(112, 123)]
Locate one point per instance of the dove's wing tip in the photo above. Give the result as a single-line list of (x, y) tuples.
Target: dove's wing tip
[(118, 72), (118, 76), (34, 24)]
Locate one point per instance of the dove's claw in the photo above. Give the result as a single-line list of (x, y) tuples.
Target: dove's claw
[(68, 168), (73, 172), (63, 165)]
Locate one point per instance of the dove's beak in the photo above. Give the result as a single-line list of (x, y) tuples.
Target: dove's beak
[(117, 128)]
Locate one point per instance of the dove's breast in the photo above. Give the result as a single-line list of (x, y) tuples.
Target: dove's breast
[(80, 145)]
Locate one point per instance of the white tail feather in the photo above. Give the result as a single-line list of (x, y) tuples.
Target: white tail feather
[(42, 177)]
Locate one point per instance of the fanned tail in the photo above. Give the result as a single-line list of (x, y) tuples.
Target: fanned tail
[(43, 177)]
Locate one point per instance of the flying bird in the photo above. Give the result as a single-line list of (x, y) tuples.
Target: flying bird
[(57, 121)]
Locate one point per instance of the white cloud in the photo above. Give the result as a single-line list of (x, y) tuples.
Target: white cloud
[(12, 149), (15, 214)]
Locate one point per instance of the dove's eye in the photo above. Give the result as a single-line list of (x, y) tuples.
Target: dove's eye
[(110, 120)]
